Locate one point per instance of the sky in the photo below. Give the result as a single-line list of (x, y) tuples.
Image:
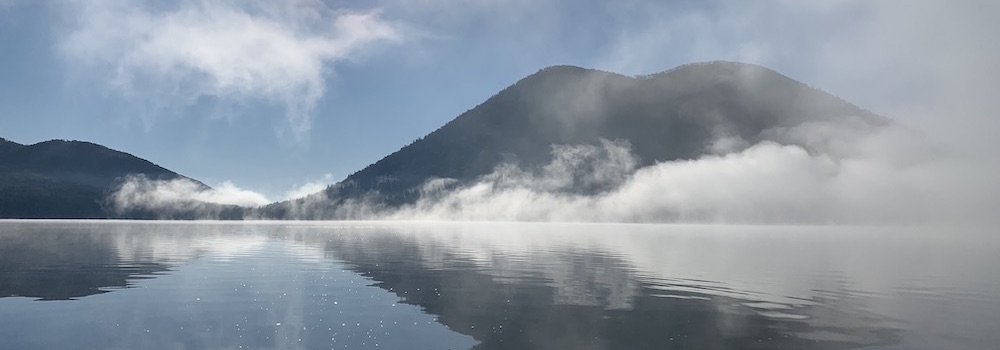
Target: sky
[(280, 98)]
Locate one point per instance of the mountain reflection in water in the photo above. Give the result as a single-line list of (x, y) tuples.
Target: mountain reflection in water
[(508, 286)]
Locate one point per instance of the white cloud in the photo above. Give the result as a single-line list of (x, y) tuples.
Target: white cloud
[(172, 55)]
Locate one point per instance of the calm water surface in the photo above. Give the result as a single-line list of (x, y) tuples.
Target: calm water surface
[(206, 285)]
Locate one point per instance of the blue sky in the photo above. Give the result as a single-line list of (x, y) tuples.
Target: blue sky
[(273, 95)]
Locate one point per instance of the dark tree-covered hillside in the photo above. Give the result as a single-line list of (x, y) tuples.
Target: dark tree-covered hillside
[(67, 179)]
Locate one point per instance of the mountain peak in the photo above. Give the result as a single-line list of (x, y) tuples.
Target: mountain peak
[(713, 67), (68, 143), (715, 71), (562, 67), (716, 65)]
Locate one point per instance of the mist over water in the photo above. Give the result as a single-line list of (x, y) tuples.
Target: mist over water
[(823, 173), (140, 191), (845, 172)]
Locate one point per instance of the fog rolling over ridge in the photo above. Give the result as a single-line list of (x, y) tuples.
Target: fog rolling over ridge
[(706, 142)]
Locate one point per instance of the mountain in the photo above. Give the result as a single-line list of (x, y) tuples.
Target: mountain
[(677, 114), (683, 113), (67, 179)]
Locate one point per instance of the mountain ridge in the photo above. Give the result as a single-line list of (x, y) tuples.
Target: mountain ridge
[(682, 113), (68, 179), (676, 114)]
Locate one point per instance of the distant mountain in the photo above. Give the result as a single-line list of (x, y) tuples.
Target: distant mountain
[(67, 179), (676, 114)]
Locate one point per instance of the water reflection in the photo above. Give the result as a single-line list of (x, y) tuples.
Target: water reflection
[(60, 264), (230, 286), (493, 286), (558, 296)]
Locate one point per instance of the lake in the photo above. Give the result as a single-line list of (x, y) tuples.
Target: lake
[(373, 285)]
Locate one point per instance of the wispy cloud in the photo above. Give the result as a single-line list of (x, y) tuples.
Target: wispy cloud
[(165, 55)]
